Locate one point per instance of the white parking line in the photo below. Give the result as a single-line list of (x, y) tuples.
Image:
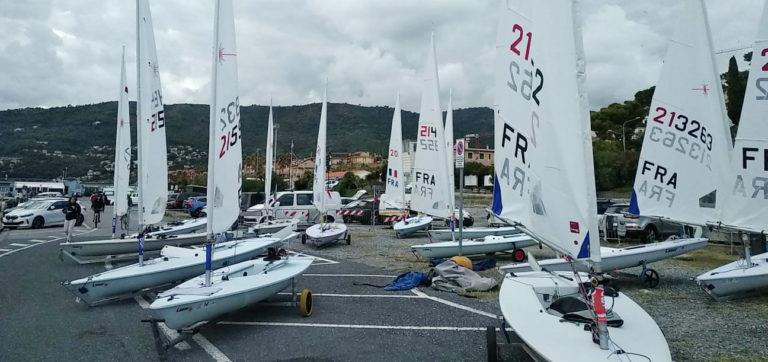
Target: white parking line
[(2, 250), (349, 275), (33, 245), (355, 326), (404, 296), (18, 244), (38, 241), (452, 304)]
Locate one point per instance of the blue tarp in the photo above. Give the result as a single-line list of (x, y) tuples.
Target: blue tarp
[(406, 281)]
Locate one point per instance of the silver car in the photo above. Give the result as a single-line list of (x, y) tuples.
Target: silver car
[(618, 222)]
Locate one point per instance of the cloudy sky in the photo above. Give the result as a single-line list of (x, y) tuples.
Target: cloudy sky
[(59, 52)]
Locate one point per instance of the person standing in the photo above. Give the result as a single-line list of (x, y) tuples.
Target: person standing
[(72, 212)]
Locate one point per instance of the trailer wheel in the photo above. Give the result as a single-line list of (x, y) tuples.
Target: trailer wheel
[(650, 278), (491, 347), (349, 239), (305, 303), (303, 238), (518, 255)]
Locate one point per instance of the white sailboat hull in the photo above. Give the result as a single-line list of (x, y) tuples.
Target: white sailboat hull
[(523, 304), (246, 283), (734, 279), (412, 225), (489, 245), (182, 227), (620, 258), (325, 234), (129, 245), (174, 264), (272, 226), (472, 233)]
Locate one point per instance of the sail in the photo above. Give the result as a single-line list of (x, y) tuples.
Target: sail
[(430, 170), (225, 156), (319, 188), (746, 190), (122, 147), (394, 195), (687, 142), (268, 160), (449, 141), (544, 175), (150, 123)]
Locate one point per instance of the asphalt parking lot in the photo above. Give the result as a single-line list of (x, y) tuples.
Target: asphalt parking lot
[(351, 320)]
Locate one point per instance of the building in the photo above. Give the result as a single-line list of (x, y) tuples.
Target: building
[(483, 156), (409, 159)]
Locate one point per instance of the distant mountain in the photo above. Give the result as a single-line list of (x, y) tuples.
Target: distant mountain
[(84, 135)]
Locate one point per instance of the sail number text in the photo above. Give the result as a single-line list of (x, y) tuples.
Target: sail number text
[(682, 123), (229, 120)]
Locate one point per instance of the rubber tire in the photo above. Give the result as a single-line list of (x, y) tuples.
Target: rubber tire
[(80, 220), (305, 303), (518, 255), (303, 239), (651, 234), (469, 222), (329, 219), (38, 222), (650, 278), (397, 235), (491, 347), (349, 239)]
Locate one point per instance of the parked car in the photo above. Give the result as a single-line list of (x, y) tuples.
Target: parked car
[(39, 213), (248, 199), (650, 229), (293, 205), (194, 205)]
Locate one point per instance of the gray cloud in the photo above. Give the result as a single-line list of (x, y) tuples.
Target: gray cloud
[(58, 52)]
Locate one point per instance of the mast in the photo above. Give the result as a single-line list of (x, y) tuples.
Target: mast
[(268, 159), (212, 141)]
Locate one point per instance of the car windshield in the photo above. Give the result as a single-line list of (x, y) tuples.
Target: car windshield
[(38, 205)]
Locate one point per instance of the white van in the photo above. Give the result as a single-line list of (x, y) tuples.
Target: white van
[(294, 205)]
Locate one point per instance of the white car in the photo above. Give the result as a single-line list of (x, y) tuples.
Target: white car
[(37, 214), (293, 205)]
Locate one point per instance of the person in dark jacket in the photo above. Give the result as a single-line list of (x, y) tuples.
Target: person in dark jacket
[(71, 212)]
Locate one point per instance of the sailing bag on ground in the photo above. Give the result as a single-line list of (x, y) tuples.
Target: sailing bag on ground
[(451, 277)]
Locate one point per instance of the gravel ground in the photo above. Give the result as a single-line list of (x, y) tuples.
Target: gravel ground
[(696, 327)]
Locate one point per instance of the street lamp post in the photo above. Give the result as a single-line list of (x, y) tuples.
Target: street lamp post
[(623, 135)]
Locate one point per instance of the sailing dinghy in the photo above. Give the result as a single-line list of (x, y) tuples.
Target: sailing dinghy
[(153, 165), (268, 223), (687, 111), (745, 210), (431, 196), (323, 233), (174, 264), (238, 285), (545, 186), (487, 245), (392, 202)]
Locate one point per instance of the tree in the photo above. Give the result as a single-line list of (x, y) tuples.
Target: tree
[(304, 182), (736, 85), (349, 184)]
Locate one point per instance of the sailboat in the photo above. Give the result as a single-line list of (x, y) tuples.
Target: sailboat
[(745, 209), (238, 285), (545, 186), (392, 201), (122, 151), (268, 223), (153, 166), (430, 196), (323, 233), (477, 240), (687, 113)]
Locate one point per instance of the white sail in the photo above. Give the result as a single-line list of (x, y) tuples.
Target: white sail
[(449, 141), (269, 159), (319, 189), (746, 190), (687, 141), (544, 176), (394, 195), (150, 123), (430, 170), (225, 157), (122, 147)]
